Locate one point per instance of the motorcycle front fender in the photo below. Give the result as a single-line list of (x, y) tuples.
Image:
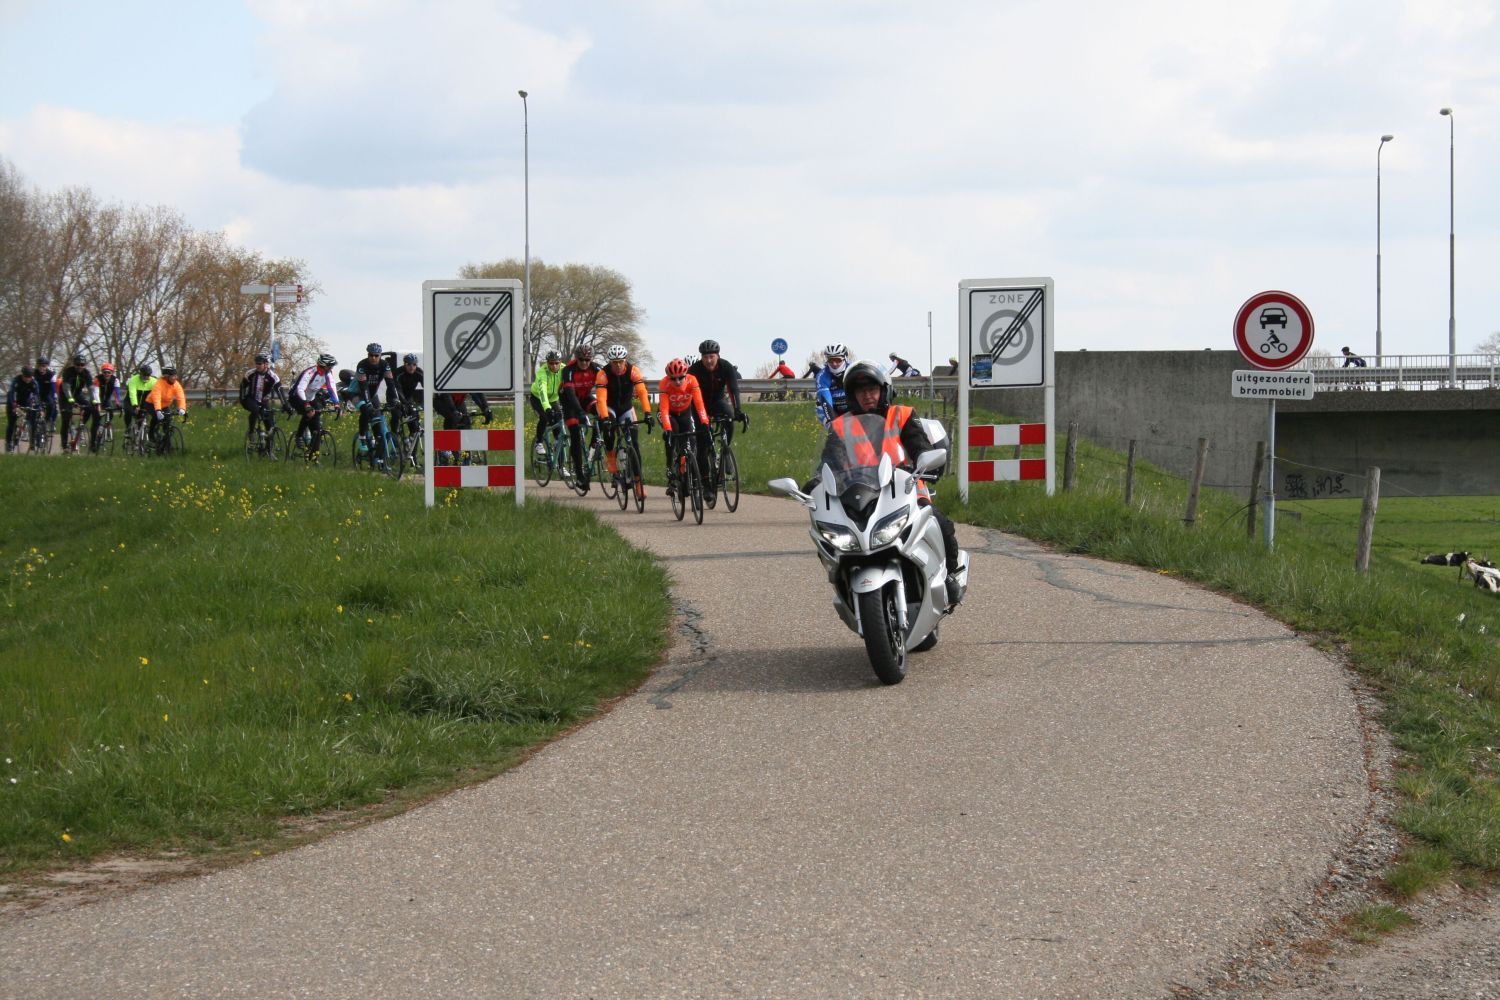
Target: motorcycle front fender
[(868, 578)]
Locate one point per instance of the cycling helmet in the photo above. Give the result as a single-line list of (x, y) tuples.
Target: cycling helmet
[(28, 372), (262, 359), (372, 349), (346, 375), (106, 369), (409, 359), (168, 370), (676, 368), (616, 352), (690, 359), (836, 351), (42, 362), (709, 347), (144, 369), (864, 374), (327, 361), (583, 352), (80, 359), (553, 356), (893, 355)]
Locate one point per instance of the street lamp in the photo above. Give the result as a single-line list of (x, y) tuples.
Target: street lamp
[(1452, 324), (526, 174), (1378, 338)]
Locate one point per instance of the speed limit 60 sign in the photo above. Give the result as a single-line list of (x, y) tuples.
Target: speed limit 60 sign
[(1273, 330)]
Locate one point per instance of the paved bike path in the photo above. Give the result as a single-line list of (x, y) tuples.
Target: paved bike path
[(1102, 782)]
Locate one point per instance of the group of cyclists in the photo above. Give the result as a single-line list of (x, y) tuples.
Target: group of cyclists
[(37, 396)]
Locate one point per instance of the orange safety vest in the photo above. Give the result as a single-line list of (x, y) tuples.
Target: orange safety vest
[(863, 448)]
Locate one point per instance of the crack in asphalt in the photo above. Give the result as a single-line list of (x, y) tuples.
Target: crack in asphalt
[(690, 626), (1052, 570), (1247, 641)]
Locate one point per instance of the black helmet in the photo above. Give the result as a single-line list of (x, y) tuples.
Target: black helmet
[(345, 375), (709, 347), (144, 368), (42, 362), (553, 356), (863, 373), (80, 359), (262, 359), (372, 349), (168, 370), (28, 371), (409, 359)]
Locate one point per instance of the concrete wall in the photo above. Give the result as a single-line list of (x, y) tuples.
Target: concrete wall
[(1433, 443)]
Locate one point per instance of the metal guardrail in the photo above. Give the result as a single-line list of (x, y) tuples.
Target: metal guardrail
[(1408, 372)]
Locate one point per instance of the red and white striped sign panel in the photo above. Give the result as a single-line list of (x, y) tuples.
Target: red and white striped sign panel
[(500, 440), (1011, 469), (453, 476)]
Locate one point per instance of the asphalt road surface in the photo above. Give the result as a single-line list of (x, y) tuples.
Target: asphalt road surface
[(1101, 783)]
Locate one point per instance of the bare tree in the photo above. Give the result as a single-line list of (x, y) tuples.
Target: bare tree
[(572, 305)]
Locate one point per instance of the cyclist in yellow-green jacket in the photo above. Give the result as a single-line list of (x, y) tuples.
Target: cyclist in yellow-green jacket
[(544, 396)]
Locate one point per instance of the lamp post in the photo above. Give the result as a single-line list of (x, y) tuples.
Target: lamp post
[(526, 174), (1379, 342), (1452, 324)]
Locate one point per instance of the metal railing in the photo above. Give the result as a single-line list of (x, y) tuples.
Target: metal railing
[(1407, 372)]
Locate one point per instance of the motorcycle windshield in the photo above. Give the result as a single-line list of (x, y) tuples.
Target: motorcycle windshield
[(852, 453)]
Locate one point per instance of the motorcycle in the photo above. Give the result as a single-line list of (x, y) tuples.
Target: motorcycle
[(882, 549)]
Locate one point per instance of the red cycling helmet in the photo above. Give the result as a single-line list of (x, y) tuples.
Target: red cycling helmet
[(676, 368)]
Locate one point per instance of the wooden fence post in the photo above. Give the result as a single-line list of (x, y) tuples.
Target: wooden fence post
[(1130, 474), (1260, 468), (1197, 483), (1070, 461), (1367, 520)]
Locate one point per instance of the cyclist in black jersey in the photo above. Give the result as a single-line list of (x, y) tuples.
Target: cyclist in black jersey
[(409, 390), (22, 394), (719, 381), (258, 389), (369, 376), (76, 393)]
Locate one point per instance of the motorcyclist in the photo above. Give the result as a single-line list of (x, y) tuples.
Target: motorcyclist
[(867, 390)]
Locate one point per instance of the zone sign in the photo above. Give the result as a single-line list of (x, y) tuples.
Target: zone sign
[(1273, 330)]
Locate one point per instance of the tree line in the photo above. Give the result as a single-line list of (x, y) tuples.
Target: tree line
[(131, 284)]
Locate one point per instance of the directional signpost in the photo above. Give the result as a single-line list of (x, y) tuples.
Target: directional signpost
[(1273, 331), (276, 294)]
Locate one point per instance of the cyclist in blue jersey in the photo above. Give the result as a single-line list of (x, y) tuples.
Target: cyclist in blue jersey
[(831, 402)]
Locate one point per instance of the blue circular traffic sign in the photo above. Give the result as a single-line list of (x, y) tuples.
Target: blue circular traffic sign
[(778, 346)]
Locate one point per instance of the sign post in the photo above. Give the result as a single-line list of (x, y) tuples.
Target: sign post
[(471, 334), (275, 294), (1005, 340), (1273, 331)]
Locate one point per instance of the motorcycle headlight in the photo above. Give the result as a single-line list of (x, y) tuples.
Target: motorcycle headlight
[(839, 537), (888, 528)]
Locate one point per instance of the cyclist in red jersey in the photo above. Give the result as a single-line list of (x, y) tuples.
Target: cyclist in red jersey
[(579, 380)]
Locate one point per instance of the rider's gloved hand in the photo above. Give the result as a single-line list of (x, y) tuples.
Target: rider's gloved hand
[(160, 415), (743, 418), (181, 412), (650, 422)]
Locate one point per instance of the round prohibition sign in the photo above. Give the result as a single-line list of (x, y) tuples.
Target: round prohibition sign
[(997, 327), (1273, 330), (458, 333)]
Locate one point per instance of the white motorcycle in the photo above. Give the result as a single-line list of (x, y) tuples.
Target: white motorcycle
[(882, 549)]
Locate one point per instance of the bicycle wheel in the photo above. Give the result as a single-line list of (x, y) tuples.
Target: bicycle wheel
[(677, 485), (292, 447), (104, 441), (711, 481), (541, 465), (275, 443), (328, 450), (393, 460), (601, 473), (639, 484), (622, 482), (729, 479), (695, 480), (252, 444), (357, 457), (173, 444)]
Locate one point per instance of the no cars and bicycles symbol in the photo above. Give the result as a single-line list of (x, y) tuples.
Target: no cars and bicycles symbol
[(1273, 330)]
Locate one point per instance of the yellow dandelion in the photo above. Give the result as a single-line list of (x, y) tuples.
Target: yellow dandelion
[(369, 621), (67, 838), (348, 696), (339, 609), (145, 661), (165, 717), (546, 638)]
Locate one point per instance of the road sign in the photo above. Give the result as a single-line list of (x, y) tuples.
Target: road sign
[(1273, 330), (255, 289), (1005, 322), (286, 294), (1262, 384), (778, 347), (474, 331)]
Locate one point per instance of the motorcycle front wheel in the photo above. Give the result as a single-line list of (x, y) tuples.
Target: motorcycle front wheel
[(885, 643)]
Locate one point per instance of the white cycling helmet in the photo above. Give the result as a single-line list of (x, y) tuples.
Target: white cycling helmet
[(616, 352), (690, 359), (836, 351)]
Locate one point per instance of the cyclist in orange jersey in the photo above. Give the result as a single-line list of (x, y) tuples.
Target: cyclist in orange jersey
[(680, 399)]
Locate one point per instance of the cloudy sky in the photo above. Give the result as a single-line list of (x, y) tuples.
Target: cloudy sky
[(818, 170)]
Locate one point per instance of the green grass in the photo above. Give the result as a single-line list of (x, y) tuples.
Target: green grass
[(1372, 922), (197, 649)]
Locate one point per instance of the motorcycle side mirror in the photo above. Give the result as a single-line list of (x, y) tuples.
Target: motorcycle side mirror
[(929, 460), (789, 487)]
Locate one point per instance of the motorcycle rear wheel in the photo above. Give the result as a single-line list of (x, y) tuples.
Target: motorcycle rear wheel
[(885, 643)]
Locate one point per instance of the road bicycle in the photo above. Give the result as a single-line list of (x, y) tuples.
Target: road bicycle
[(595, 462), (28, 429), (408, 420), (554, 457), (684, 481), (322, 451), (265, 442), (377, 448), (137, 433), (78, 426), (104, 440), (593, 458), (627, 479), (167, 440), (723, 466), (41, 434)]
